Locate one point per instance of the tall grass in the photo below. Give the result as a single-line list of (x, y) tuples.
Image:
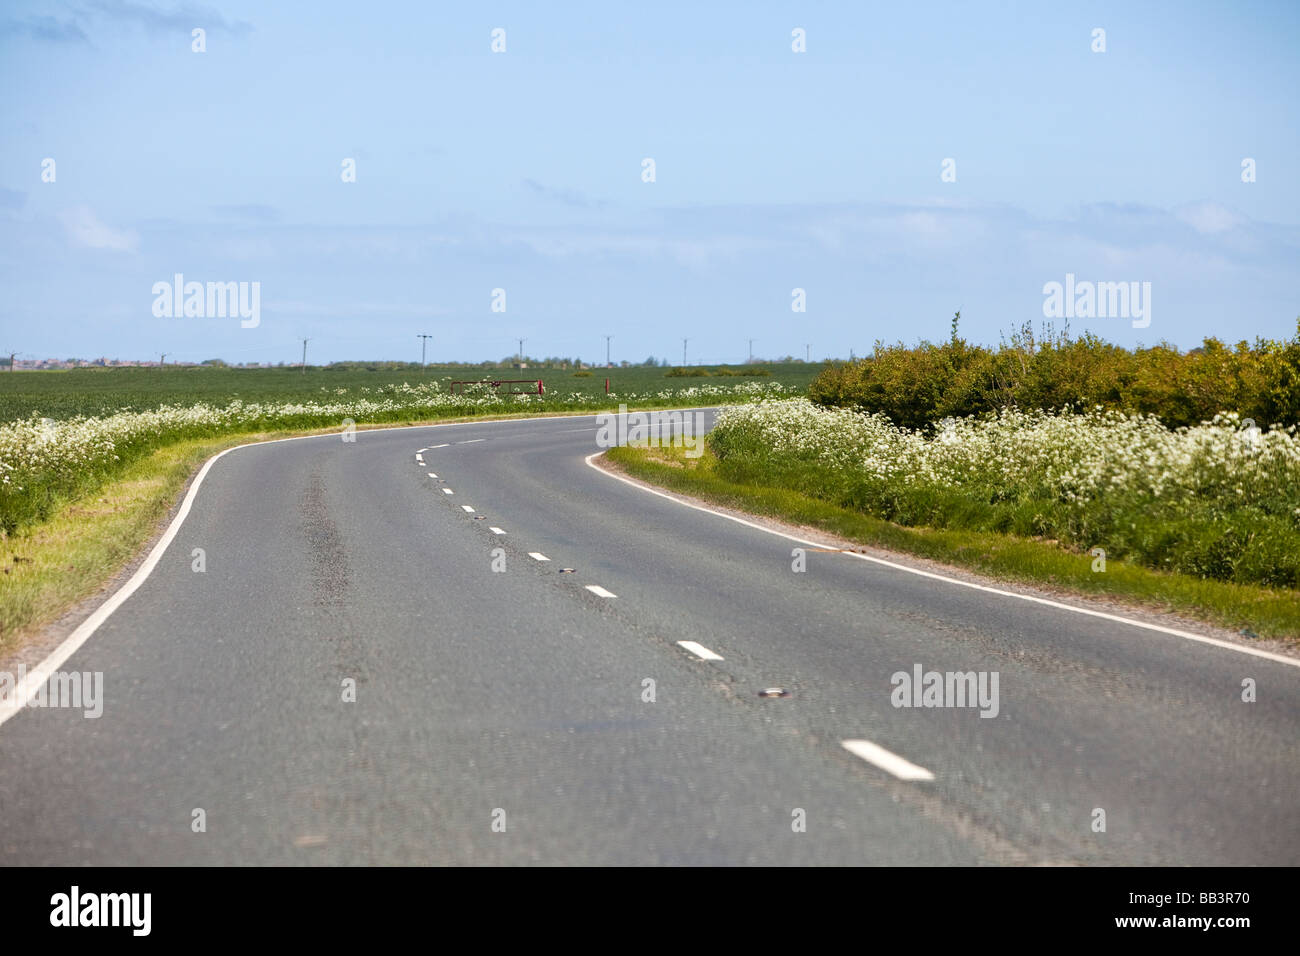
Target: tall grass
[(1216, 500)]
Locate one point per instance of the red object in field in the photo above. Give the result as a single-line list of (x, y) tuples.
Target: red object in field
[(606, 386)]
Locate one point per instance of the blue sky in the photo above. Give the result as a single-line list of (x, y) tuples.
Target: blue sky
[(522, 170)]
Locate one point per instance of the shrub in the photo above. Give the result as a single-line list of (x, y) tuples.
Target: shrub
[(918, 386)]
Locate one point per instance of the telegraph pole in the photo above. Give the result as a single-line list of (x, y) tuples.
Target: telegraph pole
[(521, 351), (11, 361), (607, 338), (304, 356), (424, 341), (684, 341), (162, 359), (807, 353), (751, 351)]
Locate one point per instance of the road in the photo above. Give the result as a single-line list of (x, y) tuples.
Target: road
[(519, 717)]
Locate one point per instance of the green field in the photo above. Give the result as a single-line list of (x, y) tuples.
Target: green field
[(97, 392)]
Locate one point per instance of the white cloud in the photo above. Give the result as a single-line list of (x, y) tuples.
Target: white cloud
[(85, 229), (1208, 218)]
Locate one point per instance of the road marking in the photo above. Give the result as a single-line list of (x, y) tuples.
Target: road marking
[(36, 678), (470, 441), (1186, 635), (423, 450), (432, 447), (597, 590), (448, 491), (700, 651), (878, 756), (538, 556), (467, 509), (420, 459), (496, 530), (432, 475)]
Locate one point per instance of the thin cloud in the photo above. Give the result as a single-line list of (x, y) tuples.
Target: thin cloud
[(183, 17), (45, 30), (254, 212), (569, 197), (85, 229)]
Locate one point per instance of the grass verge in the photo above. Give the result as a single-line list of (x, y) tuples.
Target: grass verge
[(1256, 611)]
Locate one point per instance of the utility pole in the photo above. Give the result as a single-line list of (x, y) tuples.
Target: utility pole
[(304, 356), (162, 360), (807, 353), (11, 361), (751, 351), (607, 338), (684, 341), (424, 341), (521, 352)]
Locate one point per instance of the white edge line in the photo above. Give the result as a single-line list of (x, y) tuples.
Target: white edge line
[(470, 441), (1187, 635), (597, 590), (37, 676), (700, 651), (431, 447), (878, 756), (30, 684)]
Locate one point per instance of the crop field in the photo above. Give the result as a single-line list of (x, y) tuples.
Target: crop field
[(98, 392), (66, 433)]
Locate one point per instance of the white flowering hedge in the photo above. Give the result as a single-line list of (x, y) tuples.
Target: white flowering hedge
[(1216, 499), (42, 461)]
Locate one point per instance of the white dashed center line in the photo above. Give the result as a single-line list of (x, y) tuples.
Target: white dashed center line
[(597, 590), (432, 475), (467, 509), (496, 531), (448, 491), (538, 556), (878, 756), (700, 651)]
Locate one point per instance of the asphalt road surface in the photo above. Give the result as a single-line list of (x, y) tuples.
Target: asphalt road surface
[(520, 717)]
